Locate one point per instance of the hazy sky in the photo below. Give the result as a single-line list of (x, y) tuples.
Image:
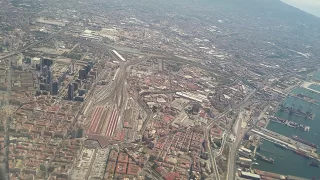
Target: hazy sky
[(310, 6)]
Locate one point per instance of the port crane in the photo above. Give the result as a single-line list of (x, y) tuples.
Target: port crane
[(293, 106)]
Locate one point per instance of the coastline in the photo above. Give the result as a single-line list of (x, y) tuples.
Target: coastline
[(285, 161)]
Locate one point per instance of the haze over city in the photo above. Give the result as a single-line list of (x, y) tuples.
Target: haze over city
[(159, 90), (310, 6)]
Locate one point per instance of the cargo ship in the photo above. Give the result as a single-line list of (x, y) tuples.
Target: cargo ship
[(281, 146), (304, 141), (263, 158), (304, 96), (314, 164), (302, 153)]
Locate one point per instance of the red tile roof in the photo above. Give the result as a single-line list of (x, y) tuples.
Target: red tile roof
[(121, 168), (172, 176), (133, 169)]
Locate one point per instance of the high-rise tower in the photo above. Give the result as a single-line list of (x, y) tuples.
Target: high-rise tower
[(70, 91)]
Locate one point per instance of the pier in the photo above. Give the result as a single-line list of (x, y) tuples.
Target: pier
[(270, 152), (290, 123), (280, 139), (264, 158), (297, 112), (305, 98), (295, 146), (307, 84)]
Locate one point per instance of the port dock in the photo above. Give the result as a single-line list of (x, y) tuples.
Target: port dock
[(289, 123), (305, 98), (297, 112), (269, 152), (287, 143), (307, 84), (264, 158)]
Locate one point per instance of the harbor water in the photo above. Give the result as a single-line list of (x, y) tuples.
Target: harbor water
[(286, 161), (315, 87), (316, 75)]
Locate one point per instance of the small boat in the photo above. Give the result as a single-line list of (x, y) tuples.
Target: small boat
[(281, 146), (314, 164)]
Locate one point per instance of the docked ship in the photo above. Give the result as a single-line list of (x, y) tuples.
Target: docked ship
[(304, 141), (303, 96), (281, 146), (290, 123), (302, 153), (314, 164), (263, 158)]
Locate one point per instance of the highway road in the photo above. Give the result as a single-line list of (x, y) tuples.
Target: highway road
[(224, 140), (212, 158), (8, 114), (212, 155), (241, 133), (231, 109), (232, 158), (91, 163), (235, 146)]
